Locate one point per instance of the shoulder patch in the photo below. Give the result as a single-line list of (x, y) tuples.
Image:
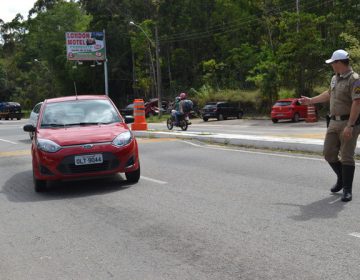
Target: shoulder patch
[(356, 87), (356, 83)]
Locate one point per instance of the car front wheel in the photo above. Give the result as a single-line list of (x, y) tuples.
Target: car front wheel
[(133, 176), (39, 185)]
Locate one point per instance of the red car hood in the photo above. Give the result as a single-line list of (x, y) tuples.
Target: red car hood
[(76, 135)]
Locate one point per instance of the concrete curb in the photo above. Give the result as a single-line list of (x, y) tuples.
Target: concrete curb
[(281, 143)]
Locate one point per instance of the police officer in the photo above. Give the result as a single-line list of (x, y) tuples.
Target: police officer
[(344, 128)]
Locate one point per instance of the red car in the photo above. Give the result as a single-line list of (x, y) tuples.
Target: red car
[(288, 108), (151, 108), (81, 136)]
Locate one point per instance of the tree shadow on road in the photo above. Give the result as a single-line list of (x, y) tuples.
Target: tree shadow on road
[(20, 188), (327, 208)]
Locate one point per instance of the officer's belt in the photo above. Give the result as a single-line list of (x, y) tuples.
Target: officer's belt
[(340, 118)]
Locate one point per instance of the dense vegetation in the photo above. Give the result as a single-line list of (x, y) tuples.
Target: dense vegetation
[(209, 48)]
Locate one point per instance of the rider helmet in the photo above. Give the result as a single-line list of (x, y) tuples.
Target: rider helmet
[(182, 95)]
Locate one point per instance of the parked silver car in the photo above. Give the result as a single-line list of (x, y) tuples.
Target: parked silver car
[(34, 115)]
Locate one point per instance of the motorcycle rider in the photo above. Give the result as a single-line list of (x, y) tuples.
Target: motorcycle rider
[(179, 110)]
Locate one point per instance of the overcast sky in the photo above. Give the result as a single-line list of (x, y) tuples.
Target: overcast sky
[(9, 8)]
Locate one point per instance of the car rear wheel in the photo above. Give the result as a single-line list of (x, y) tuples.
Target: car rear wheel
[(205, 119), (296, 117), (274, 120), (220, 117), (133, 176)]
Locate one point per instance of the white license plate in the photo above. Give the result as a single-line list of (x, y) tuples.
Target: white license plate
[(88, 159), (279, 115)]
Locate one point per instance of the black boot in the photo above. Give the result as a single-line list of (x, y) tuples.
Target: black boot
[(348, 176), (336, 166)]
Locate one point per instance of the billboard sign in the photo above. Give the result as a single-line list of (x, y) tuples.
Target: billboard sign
[(85, 46)]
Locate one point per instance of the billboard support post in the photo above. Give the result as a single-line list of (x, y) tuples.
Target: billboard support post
[(106, 69), (88, 46)]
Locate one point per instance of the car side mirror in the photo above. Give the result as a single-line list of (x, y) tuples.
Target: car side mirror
[(129, 119), (29, 128)]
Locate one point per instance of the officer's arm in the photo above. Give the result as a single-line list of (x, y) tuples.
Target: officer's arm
[(354, 113), (321, 98), (355, 106)]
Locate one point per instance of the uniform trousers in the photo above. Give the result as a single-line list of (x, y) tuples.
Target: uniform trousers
[(336, 148)]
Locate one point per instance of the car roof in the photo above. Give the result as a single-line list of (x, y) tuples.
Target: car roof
[(215, 103), (287, 99), (74, 97)]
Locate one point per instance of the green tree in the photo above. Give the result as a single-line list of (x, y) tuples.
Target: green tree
[(265, 76), (299, 55)]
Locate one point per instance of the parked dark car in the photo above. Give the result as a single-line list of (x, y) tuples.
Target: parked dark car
[(221, 111), (151, 108), (128, 110), (10, 110), (288, 109)]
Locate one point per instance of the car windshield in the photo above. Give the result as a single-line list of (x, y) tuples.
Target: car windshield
[(282, 103), (79, 112), (210, 105)]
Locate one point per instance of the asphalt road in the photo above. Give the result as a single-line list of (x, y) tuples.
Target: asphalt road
[(198, 212)]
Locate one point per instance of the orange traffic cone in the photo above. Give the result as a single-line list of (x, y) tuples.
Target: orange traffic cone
[(311, 114), (139, 115)]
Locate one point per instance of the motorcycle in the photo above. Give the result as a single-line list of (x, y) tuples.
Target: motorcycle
[(184, 122)]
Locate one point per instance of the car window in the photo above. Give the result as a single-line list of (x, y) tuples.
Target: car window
[(209, 106), (282, 103), (79, 112), (37, 108)]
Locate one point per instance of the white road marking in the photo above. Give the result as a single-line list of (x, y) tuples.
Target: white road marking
[(193, 144), (336, 200), (153, 180), (7, 141), (355, 234)]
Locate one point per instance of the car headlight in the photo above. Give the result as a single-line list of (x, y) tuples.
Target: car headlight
[(123, 139), (48, 146)]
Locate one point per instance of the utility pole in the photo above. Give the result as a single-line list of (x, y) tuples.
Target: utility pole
[(297, 12), (158, 70), (157, 58)]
